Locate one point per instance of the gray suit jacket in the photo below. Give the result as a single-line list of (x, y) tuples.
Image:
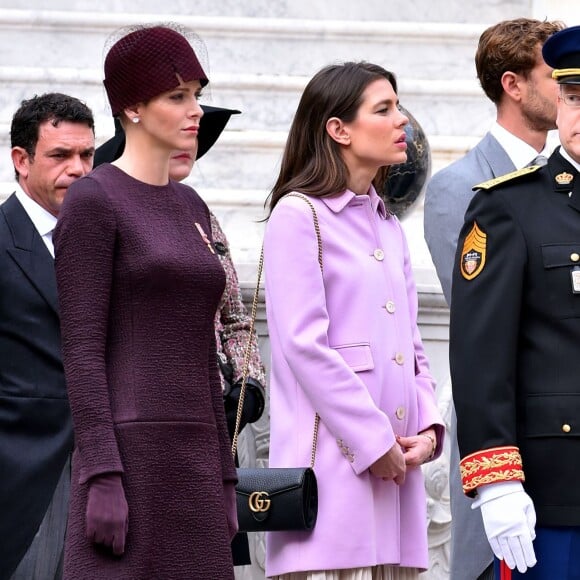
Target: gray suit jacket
[(36, 434), (446, 200)]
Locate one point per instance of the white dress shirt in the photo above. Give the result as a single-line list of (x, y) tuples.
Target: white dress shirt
[(520, 153), (43, 221)]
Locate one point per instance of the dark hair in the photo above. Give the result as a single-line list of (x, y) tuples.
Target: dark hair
[(510, 45), (53, 107), (312, 162)]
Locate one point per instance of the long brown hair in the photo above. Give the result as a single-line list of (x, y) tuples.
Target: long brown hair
[(312, 162)]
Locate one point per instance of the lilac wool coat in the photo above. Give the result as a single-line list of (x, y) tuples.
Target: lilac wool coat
[(345, 344)]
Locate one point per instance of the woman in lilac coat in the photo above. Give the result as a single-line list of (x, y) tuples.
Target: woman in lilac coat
[(345, 342)]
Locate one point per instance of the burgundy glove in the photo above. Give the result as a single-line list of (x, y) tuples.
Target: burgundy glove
[(107, 512), (231, 509)]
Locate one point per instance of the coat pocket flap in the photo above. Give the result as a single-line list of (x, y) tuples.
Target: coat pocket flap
[(553, 415), (357, 356), (560, 255)]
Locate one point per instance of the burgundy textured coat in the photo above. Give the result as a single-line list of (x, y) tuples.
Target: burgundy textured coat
[(138, 289)]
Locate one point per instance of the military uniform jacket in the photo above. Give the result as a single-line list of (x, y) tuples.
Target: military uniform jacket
[(515, 338)]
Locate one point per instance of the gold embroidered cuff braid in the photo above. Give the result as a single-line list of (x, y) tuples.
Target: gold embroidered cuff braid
[(490, 466)]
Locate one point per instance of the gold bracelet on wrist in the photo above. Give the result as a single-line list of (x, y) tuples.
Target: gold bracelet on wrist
[(433, 445)]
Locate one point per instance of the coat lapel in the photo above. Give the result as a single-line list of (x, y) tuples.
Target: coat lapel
[(499, 161), (30, 252)]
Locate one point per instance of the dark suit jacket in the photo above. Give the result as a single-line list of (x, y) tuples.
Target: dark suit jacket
[(36, 433)]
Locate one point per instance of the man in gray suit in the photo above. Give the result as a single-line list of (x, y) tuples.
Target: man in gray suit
[(515, 77), (53, 144)]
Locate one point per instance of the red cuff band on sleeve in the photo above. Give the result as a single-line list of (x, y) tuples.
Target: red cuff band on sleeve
[(490, 466)]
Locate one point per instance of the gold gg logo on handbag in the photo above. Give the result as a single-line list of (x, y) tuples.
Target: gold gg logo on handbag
[(259, 502)]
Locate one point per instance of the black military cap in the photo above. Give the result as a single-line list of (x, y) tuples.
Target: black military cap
[(562, 52)]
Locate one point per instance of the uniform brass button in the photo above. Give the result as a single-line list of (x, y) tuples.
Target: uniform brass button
[(379, 255), (399, 358), (400, 413), (390, 306), (566, 428), (574, 257)]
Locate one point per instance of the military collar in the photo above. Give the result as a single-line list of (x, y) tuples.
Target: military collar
[(565, 178), (568, 158), (563, 173)]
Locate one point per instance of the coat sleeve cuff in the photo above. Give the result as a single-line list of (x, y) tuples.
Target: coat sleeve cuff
[(490, 466)]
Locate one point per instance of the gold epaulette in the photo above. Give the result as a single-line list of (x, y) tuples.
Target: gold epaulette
[(490, 184)]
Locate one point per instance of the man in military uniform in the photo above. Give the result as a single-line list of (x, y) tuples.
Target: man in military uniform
[(515, 348), (513, 75)]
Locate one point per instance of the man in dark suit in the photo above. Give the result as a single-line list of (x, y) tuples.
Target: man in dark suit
[(515, 331), (514, 76), (52, 139)]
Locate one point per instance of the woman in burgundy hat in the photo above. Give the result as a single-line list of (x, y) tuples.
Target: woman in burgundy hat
[(232, 320), (139, 283)]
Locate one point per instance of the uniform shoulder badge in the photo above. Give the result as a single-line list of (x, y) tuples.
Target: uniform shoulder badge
[(473, 253), (490, 184)]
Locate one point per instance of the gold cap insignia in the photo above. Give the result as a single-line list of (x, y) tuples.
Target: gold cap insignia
[(473, 253), (560, 73), (564, 178)]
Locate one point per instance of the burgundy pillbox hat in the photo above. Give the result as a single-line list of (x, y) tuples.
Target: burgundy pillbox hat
[(144, 63)]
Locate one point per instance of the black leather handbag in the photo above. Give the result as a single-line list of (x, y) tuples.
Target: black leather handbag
[(275, 499)]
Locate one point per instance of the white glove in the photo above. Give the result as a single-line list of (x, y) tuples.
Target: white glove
[(509, 519)]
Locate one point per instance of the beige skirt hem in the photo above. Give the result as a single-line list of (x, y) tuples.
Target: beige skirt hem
[(368, 573)]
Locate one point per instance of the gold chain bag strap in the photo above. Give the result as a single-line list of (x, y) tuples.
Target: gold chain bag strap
[(276, 498)]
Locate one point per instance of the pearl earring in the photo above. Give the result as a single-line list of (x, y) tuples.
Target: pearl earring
[(135, 119)]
